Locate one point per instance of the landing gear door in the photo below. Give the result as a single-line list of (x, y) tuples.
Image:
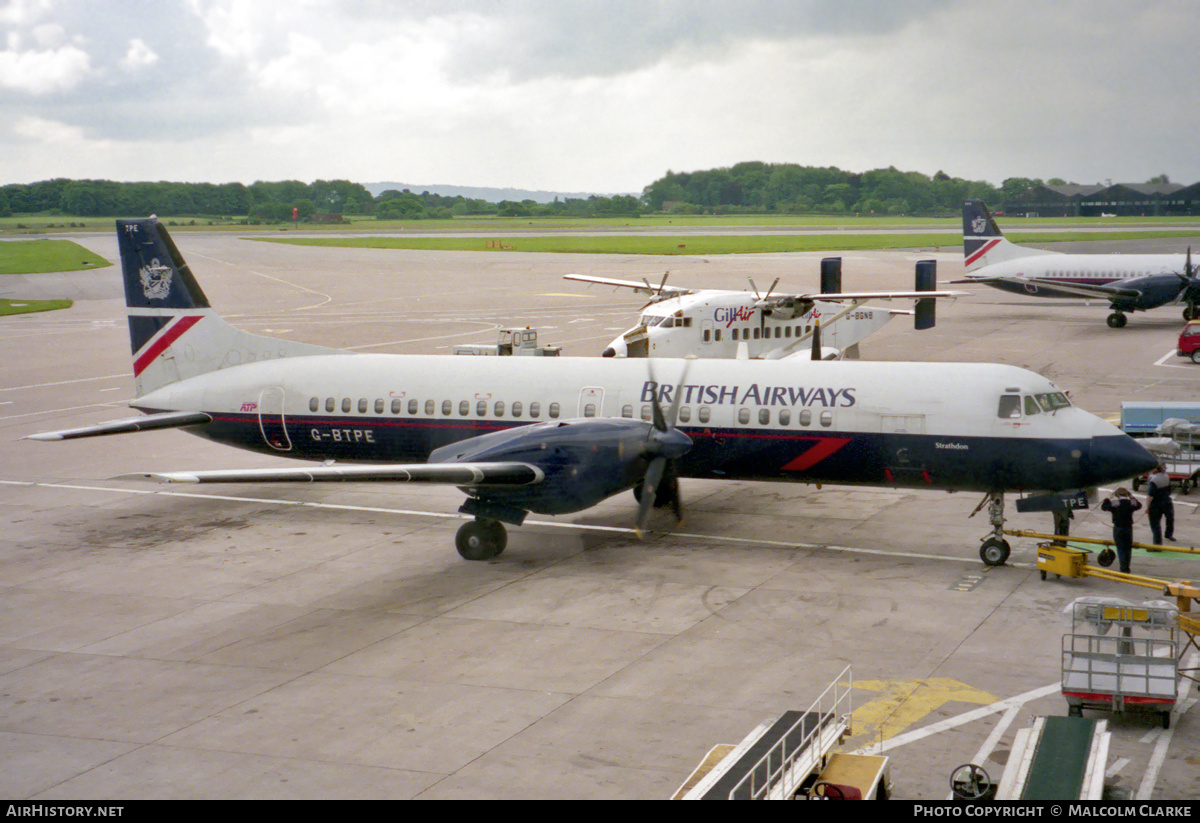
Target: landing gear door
[(271, 421)]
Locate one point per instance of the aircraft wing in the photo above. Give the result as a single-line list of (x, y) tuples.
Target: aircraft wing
[(1102, 291), (671, 291), (454, 474), (149, 422), (878, 295)]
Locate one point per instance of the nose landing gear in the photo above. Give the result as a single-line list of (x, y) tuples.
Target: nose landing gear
[(994, 549)]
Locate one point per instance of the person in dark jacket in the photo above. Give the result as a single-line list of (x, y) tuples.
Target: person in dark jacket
[(1159, 505), (1122, 505)]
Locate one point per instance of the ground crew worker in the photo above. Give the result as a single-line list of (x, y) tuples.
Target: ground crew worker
[(1159, 505), (1122, 505)]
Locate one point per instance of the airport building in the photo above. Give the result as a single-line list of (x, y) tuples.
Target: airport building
[(1119, 199)]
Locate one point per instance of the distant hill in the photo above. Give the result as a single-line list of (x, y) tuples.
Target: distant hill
[(491, 195)]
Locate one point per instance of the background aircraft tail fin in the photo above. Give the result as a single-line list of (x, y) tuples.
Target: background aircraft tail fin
[(983, 243), (173, 331)]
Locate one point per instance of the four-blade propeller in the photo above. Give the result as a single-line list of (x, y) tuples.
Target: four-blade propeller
[(663, 446)]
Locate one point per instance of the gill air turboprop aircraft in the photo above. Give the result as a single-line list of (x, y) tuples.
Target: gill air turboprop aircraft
[(680, 322), (1130, 282), (559, 435)]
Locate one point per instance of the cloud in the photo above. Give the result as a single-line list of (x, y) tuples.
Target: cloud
[(40, 71), (138, 56), (602, 95)]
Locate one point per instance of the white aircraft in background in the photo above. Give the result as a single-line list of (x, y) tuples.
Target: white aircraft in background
[(1130, 282), (558, 435), (716, 323)]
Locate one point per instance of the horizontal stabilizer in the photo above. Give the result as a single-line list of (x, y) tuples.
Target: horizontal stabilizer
[(454, 474), (166, 420)]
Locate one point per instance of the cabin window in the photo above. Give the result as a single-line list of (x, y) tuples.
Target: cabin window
[(827, 418), (806, 417), (447, 407), (498, 409), (785, 417), (481, 408), (412, 406), (717, 335), (429, 407), (379, 405), (535, 409), (396, 406), (743, 416), (705, 414), (554, 411), (314, 404), (764, 417), (627, 411), (756, 334), (589, 410), (646, 414), (787, 331), (1010, 406), (516, 408), (345, 404), (685, 414), (707, 335), (330, 404), (362, 405), (464, 407), (734, 334)]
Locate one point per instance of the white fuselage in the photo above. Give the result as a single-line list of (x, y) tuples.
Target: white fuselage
[(955, 425), (1096, 269), (731, 324)]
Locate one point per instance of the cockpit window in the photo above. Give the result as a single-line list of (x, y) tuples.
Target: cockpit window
[(1052, 401), (649, 320), (1031, 406), (1010, 406)]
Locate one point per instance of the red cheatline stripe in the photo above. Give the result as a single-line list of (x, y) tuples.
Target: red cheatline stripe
[(158, 345), (984, 249), (824, 447)]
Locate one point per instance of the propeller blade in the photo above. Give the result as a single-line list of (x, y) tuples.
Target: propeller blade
[(816, 340), (654, 475)]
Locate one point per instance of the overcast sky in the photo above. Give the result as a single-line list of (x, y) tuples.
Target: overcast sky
[(595, 95)]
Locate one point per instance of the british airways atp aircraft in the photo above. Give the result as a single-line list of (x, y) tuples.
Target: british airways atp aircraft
[(558, 435), (1130, 282)]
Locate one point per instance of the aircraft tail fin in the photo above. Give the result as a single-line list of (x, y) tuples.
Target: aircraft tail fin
[(174, 332), (983, 243)]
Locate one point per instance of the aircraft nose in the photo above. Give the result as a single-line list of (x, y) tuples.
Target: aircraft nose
[(1117, 457), (609, 352)]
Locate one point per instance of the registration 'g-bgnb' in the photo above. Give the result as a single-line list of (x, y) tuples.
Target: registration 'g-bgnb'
[(558, 435)]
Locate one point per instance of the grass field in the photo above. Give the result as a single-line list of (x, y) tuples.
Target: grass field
[(502, 226), (703, 244), (30, 256), (8, 307)]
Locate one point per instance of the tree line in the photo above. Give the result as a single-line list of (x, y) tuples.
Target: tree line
[(744, 188)]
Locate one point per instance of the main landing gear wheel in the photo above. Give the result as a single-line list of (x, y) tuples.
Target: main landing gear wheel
[(481, 539), (971, 782), (994, 551), (1117, 320), (1106, 557)]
